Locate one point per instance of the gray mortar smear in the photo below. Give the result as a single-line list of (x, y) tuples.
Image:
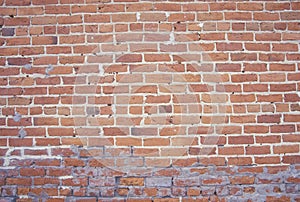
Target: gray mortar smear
[(28, 66), (48, 70), (17, 117), (22, 133)]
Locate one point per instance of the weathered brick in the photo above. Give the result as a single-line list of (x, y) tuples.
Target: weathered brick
[(159, 182)]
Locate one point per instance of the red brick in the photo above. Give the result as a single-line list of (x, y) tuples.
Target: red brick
[(269, 98), (75, 19), (277, 6), (32, 172), (129, 58), (286, 149), (74, 162), (18, 61), (19, 181), (152, 17), (267, 160), (177, 17), (242, 180), (268, 139), (96, 18), (221, 6), (57, 9), (45, 121), (238, 16), (167, 7), (75, 39), (292, 159), (256, 129), (266, 16), (268, 118), (231, 150), (212, 36), (158, 99), (45, 40), (128, 141), (59, 171), (257, 150), (257, 46), (218, 161), (243, 56), (229, 47), (250, 6), (47, 141), (282, 128), (124, 18), (268, 37), (292, 118), (60, 131), (17, 21), (240, 140), (20, 142), (84, 9), (17, 3), (44, 2), (240, 161), (209, 16)]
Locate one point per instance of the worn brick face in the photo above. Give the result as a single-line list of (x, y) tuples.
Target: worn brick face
[(113, 100)]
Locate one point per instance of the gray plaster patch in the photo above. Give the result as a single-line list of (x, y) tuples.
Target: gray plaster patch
[(17, 117), (28, 66), (22, 133), (92, 110), (48, 70)]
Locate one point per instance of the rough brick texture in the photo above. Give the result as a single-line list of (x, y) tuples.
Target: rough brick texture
[(128, 100)]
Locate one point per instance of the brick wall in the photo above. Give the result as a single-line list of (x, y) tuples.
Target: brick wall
[(127, 100)]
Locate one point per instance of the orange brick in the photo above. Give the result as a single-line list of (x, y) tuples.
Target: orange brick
[(132, 181)]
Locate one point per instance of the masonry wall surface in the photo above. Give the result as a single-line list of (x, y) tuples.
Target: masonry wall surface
[(133, 100)]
